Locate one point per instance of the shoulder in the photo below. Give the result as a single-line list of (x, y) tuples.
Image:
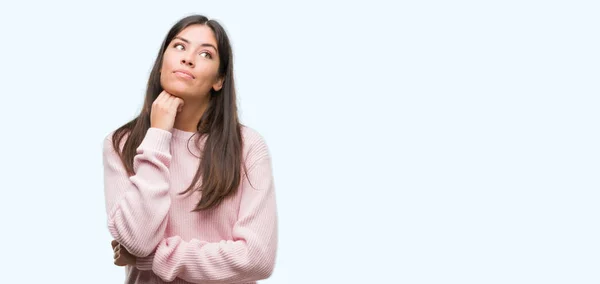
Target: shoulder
[(254, 143), (109, 138), (251, 136)]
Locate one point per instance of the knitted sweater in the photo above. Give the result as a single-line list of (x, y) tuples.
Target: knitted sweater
[(234, 243)]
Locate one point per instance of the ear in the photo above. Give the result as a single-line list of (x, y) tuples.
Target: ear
[(218, 84)]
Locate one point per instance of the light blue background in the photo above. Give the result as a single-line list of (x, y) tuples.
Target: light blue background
[(415, 142)]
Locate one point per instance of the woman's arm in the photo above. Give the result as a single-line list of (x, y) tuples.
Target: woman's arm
[(137, 206), (250, 256)]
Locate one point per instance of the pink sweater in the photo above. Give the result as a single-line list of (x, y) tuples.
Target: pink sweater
[(236, 243)]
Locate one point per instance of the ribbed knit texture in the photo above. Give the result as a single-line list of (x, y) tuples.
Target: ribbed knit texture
[(235, 243)]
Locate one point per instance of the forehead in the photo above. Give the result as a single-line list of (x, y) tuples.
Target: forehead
[(198, 34)]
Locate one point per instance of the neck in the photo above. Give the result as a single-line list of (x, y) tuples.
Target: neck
[(187, 119)]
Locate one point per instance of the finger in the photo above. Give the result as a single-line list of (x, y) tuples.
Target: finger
[(180, 103), (119, 262), (166, 95), (114, 243), (168, 101), (172, 103), (161, 98), (176, 103)]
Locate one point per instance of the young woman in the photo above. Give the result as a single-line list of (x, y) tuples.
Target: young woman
[(189, 190)]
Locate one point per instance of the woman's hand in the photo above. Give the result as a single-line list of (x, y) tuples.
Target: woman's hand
[(121, 256), (164, 110)]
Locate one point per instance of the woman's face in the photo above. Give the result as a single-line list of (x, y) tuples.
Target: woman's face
[(190, 64)]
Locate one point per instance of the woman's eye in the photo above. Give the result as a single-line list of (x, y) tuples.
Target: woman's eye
[(178, 46), (207, 55)]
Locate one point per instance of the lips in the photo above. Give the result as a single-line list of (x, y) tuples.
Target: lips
[(184, 73)]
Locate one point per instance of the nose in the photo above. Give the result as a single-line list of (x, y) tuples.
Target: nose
[(187, 61)]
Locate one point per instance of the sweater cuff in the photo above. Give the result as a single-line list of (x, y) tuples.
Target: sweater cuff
[(157, 139), (144, 263)]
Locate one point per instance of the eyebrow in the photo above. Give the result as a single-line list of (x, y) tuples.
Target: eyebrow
[(203, 44)]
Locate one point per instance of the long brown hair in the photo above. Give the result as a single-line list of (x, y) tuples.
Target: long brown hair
[(220, 165)]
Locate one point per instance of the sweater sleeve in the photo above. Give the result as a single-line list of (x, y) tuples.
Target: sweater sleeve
[(137, 206), (249, 256)]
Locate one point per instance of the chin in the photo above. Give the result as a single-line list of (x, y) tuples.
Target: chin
[(182, 92), (177, 90)]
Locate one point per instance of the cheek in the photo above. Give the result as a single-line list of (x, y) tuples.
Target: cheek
[(164, 70), (208, 74), (165, 65), (168, 60)]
